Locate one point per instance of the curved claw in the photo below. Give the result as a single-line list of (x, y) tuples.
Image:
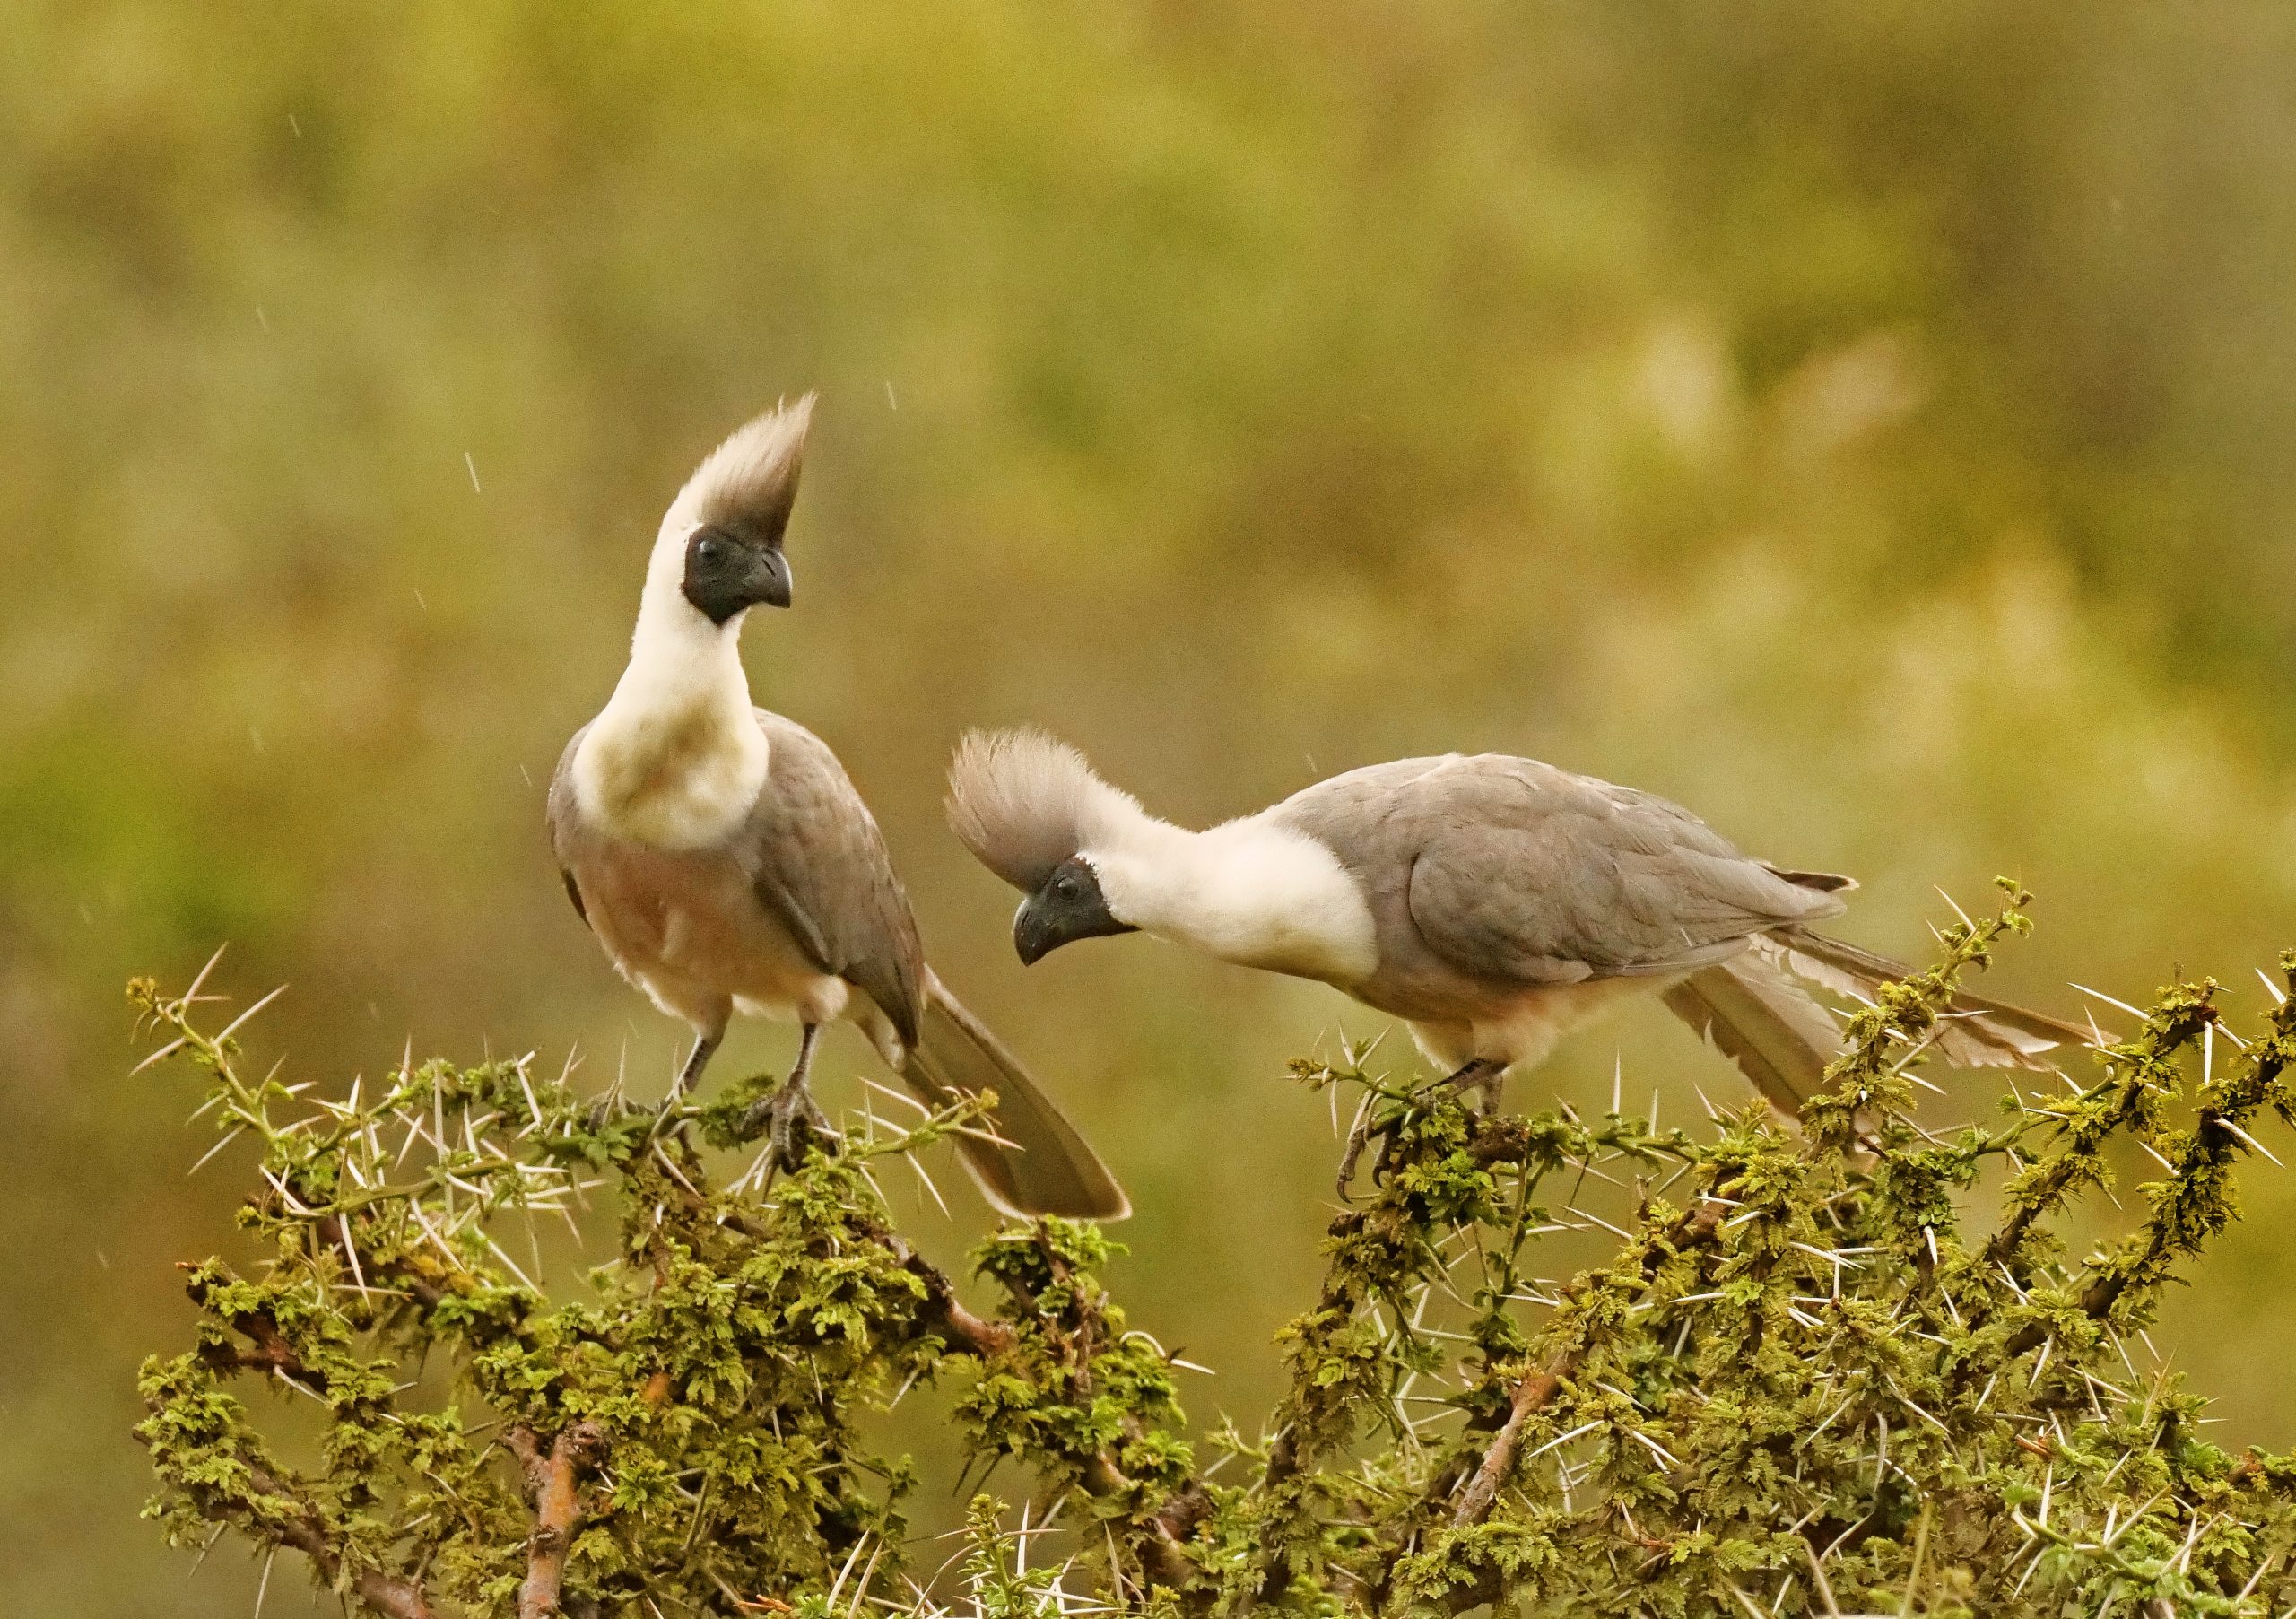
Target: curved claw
[(781, 1114), (1482, 1075), (1357, 1139)]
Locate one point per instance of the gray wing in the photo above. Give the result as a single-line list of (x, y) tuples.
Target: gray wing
[(564, 824), (818, 862), (1514, 871)]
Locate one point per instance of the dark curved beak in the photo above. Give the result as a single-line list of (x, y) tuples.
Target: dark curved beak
[(1036, 933), (774, 581)]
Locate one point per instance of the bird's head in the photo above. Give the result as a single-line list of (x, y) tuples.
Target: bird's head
[(1034, 812), (723, 534)]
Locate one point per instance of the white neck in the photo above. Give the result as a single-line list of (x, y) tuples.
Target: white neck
[(1248, 891), (675, 759)]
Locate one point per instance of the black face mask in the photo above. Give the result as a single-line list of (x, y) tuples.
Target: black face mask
[(727, 570), (1069, 906)]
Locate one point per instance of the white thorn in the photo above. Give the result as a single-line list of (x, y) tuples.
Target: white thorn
[(2251, 1140), (2108, 1000), (236, 1023), (192, 994)]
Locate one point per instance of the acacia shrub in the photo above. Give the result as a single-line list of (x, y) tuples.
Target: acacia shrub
[(1822, 1371)]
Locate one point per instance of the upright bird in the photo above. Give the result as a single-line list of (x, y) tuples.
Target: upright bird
[(725, 862), (1493, 903)]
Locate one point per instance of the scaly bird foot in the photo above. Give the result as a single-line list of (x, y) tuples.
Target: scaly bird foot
[(1358, 1138), (781, 1116), (1482, 1075)]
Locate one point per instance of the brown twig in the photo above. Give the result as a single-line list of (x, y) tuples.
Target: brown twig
[(944, 1311), (1159, 1536), (271, 1352), (1532, 1393), (554, 1488), (1536, 1388), (306, 1532), (1156, 1537)]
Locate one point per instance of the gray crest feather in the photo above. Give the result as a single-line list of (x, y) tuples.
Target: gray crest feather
[(1024, 802), (750, 482)]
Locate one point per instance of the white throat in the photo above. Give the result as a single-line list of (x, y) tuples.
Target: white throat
[(675, 759), (1250, 891)]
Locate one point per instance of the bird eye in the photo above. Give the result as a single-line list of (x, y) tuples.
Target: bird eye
[(711, 551)]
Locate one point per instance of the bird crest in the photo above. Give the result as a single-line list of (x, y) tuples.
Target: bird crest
[(749, 482), (1024, 802)]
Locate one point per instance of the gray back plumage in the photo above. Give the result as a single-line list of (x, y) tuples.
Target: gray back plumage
[(1508, 872), (562, 814)]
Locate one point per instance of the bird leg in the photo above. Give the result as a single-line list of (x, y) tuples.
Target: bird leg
[(705, 1046), (1485, 1075), (780, 1112)]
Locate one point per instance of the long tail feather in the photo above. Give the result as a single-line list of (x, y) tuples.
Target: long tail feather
[(1749, 1006), (1047, 1168), (1980, 1033), (1780, 1038)]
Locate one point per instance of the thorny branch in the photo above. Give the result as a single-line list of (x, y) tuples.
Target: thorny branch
[(1537, 1387), (296, 1523), (2192, 1204), (1793, 1387), (2142, 1073)]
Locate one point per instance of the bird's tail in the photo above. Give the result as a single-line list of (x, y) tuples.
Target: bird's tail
[(1765, 1022), (1040, 1165), (1752, 1010), (1974, 1033)]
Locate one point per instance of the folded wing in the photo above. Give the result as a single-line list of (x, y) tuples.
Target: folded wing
[(1528, 873)]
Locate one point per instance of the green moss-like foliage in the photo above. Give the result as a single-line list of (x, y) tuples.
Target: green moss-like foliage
[(1820, 1372)]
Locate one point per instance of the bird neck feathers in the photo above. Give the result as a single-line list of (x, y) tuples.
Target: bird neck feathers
[(1248, 891), (676, 758)]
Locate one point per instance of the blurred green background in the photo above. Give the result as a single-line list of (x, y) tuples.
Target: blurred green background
[(1868, 425)]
